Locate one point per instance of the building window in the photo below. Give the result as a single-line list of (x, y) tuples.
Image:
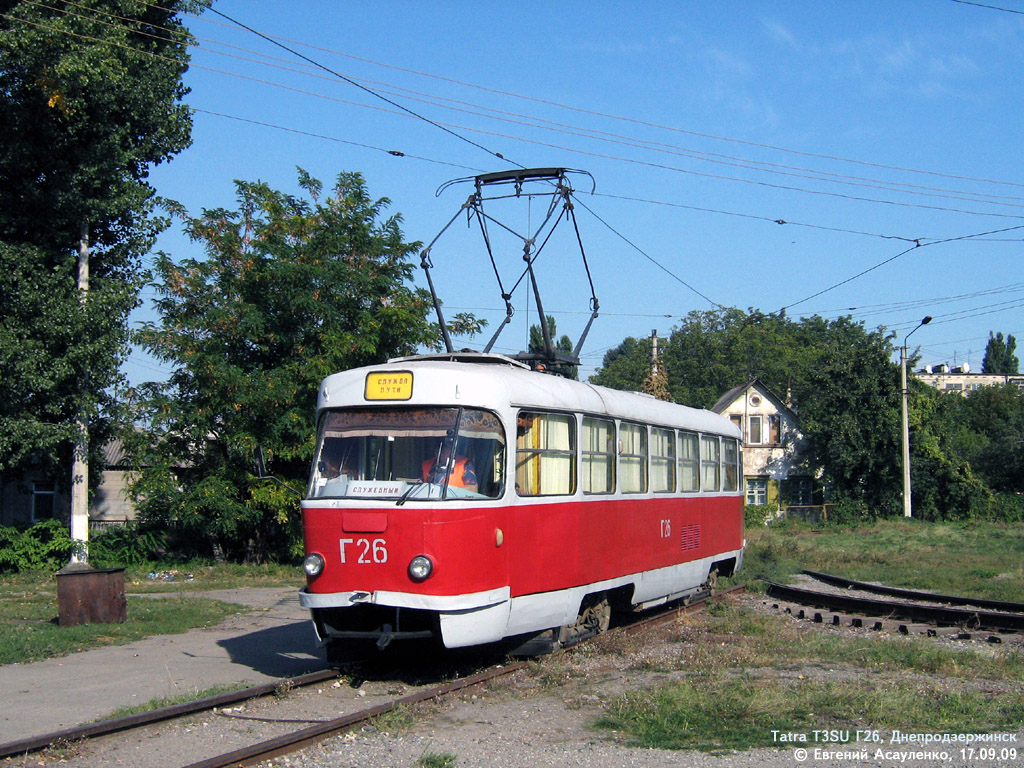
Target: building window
[(737, 419), (43, 497), (757, 490), (754, 435), (775, 429), (801, 491)]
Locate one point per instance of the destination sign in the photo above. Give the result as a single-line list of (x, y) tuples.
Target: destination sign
[(390, 385)]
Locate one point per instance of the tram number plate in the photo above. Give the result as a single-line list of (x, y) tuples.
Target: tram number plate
[(364, 551)]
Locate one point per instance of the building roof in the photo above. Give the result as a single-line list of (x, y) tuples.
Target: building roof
[(735, 393)]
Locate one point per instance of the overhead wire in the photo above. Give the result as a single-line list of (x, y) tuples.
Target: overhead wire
[(370, 91), (645, 123), (744, 163), (917, 242), (889, 260)]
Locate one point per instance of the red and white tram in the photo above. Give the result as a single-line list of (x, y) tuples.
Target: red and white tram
[(467, 498)]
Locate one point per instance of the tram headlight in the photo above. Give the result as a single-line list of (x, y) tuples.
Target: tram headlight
[(313, 565), (420, 568)]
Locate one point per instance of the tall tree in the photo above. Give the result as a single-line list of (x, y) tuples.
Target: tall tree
[(839, 374), (290, 290), (999, 357), (90, 98), (563, 344)]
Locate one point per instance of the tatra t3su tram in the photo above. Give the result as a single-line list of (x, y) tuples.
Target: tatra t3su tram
[(469, 498)]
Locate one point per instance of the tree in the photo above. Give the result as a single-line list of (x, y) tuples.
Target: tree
[(562, 345), (90, 98), (291, 290), (999, 357), (840, 376)]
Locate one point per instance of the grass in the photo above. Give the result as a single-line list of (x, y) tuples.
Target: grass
[(437, 760), (979, 559), (194, 577), (726, 711), (744, 674), (28, 608), (169, 701)]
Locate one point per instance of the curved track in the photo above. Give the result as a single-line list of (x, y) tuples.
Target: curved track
[(926, 608)]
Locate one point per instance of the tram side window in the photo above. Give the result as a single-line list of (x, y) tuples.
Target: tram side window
[(598, 455), (633, 458), (689, 462), (730, 461), (545, 454), (663, 460), (710, 457)]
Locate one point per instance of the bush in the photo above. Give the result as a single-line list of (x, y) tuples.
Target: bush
[(847, 511), (126, 545), (44, 546), (759, 514)]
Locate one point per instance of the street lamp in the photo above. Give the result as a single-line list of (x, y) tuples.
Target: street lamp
[(906, 419)]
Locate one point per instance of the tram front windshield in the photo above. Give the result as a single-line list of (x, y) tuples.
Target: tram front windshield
[(408, 454)]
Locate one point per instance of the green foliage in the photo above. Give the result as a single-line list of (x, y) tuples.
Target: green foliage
[(844, 387), (126, 545), (437, 760), (562, 345), (45, 546), (291, 289), (86, 107), (759, 514), (839, 375), (999, 357)]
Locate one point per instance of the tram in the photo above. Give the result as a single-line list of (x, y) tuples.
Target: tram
[(465, 498)]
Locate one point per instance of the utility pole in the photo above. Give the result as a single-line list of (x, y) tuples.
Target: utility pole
[(905, 402), (80, 463)]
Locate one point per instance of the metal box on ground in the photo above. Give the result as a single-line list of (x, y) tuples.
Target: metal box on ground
[(91, 596)]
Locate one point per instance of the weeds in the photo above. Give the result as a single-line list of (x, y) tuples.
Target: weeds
[(170, 701), (437, 760)]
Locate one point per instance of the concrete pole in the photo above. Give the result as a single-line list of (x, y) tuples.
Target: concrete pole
[(80, 463), (904, 402)]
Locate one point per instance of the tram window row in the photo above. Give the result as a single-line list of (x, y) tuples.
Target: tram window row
[(400, 453), (619, 455)]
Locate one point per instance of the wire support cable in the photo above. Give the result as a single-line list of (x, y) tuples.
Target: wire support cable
[(370, 91)]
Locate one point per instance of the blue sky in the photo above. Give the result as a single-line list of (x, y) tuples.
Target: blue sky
[(886, 135)]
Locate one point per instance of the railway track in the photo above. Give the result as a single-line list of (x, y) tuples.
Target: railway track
[(909, 611), (316, 731)]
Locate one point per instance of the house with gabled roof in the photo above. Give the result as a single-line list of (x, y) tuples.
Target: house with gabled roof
[(37, 495), (773, 468)]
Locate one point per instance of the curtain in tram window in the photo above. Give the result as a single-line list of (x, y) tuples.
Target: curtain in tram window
[(598, 455), (663, 460), (709, 461), (544, 454), (633, 458), (689, 462)]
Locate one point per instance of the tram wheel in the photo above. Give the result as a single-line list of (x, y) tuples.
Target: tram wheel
[(594, 618)]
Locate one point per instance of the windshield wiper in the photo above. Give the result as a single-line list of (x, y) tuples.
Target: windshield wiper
[(408, 493)]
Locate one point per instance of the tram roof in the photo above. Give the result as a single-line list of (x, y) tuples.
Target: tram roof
[(496, 381)]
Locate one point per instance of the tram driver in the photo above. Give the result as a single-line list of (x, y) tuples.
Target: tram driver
[(460, 471)]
